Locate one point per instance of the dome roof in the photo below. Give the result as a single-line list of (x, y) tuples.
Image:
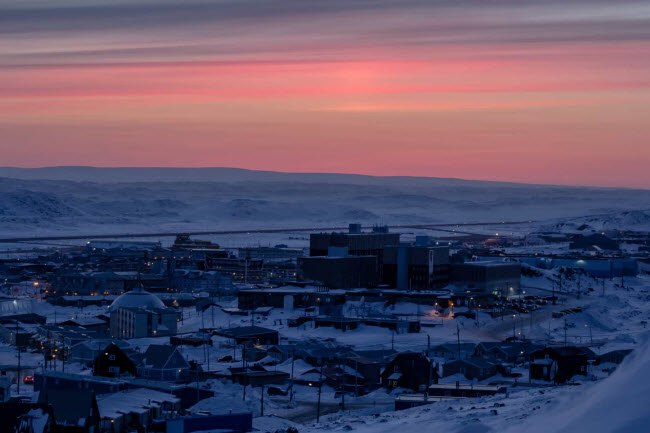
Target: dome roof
[(136, 298)]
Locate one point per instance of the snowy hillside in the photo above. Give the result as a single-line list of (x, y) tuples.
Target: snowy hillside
[(102, 200)]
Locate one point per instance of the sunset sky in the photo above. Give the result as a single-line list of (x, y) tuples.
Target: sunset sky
[(545, 92)]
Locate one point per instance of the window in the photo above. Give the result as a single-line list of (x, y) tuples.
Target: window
[(111, 357)]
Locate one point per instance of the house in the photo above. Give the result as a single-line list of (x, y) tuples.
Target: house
[(85, 352), (347, 378), (58, 380), (254, 354), (542, 369), (15, 334), (511, 351), (91, 323), (20, 417), (75, 411), (450, 351), (368, 368), (113, 362), (250, 334), (163, 362), (5, 389), (408, 370), (281, 352), (615, 356), (135, 408), (471, 368), (464, 390), (560, 364)]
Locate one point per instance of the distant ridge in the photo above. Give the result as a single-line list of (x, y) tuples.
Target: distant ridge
[(228, 174)]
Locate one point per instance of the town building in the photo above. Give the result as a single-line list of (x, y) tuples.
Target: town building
[(560, 364), (471, 368), (340, 270), (488, 277), (250, 334), (415, 266), (113, 361), (163, 362), (138, 314), (408, 370)]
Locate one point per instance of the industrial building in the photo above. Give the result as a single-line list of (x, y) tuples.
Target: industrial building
[(415, 266), (357, 242), (489, 277), (340, 270)]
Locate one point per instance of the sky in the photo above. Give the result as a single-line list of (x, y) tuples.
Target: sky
[(541, 92)]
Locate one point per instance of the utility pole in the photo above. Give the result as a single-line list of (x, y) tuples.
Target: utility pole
[(514, 324), (197, 383), (458, 339), (554, 293), (320, 387), (356, 378), (18, 381), (565, 329), (207, 348), (579, 281), (262, 408), (293, 357)]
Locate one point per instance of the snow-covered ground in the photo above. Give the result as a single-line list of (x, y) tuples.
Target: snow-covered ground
[(76, 200)]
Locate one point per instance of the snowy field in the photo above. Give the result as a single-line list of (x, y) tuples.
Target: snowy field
[(78, 200)]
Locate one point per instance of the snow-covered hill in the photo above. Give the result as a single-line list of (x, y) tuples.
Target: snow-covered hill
[(102, 200)]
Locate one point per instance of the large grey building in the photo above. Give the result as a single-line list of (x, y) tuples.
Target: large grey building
[(340, 270), (488, 277), (417, 267)]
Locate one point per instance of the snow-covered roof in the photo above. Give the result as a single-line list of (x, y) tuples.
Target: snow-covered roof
[(137, 298), (137, 400)]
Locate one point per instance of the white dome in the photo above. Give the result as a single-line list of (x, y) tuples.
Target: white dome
[(136, 298)]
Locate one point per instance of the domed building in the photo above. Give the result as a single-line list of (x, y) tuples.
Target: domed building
[(136, 298), (139, 314)]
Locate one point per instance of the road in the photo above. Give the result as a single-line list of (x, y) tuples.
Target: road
[(259, 231)]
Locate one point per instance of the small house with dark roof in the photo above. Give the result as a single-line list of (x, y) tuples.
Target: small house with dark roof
[(5, 389), (408, 370), (509, 351), (450, 351), (615, 356), (75, 411), (250, 334), (113, 362), (471, 368), (91, 323), (560, 364), (163, 362)]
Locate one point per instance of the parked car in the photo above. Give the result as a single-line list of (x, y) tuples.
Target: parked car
[(28, 380), (227, 358), (274, 390)]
